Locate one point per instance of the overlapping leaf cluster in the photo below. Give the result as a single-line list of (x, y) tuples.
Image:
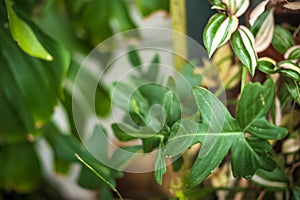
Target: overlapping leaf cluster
[(172, 130)]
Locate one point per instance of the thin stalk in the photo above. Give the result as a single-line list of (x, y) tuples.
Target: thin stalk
[(244, 77), (101, 177)]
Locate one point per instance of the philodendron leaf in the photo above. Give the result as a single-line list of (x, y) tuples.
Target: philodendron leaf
[(262, 128), (282, 39), (263, 30), (249, 154), (252, 108), (293, 53), (160, 165), (218, 31), (290, 70), (242, 42), (221, 132), (274, 179), (24, 35)]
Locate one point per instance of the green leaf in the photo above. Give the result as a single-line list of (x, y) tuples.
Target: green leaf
[(267, 65), (95, 18), (282, 39), (289, 69), (172, 107), (255, 102), (92, 164), (250, 154), (134, 57), (294, 89), (184, 134), (148, 7), (262, 128), (24, 35), (160, 165), (242, 42), (152, 73), (221, 133), (29, 105), (218, 31), (274, 179), (20, 168), (293, 53), (124, 132), (120, 12)]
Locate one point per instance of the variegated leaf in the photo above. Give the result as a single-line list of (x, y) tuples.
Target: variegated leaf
[(242, 42), (293, 53), (267, 65), (257, 11), (218, 31), (237, 7), (289, 69), (263, 30), (282, 39), (218, 5)]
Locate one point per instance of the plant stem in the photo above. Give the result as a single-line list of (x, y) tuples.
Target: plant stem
[(101, 177), (244, 77)]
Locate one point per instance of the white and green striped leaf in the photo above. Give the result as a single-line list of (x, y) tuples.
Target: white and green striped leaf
[(218, 5), (289, 69), (263, 30), (218, 31), (282, 39), (242, 42), (293, 53), (257, 11), (237, 7), (267, 65)]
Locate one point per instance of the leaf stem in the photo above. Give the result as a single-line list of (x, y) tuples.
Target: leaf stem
[(244, 78), (101, 177)]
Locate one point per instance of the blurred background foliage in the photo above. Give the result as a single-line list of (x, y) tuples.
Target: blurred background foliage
[(43, 43)]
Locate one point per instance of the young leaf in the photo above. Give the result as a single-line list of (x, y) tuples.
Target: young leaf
[(293, 53), (282, 39), (160, 165), (237, 7), (267, 65), (289, 69), (172, 106), (250, 154), (24, 35), (218, 31), (134, 57), (242, 42)]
